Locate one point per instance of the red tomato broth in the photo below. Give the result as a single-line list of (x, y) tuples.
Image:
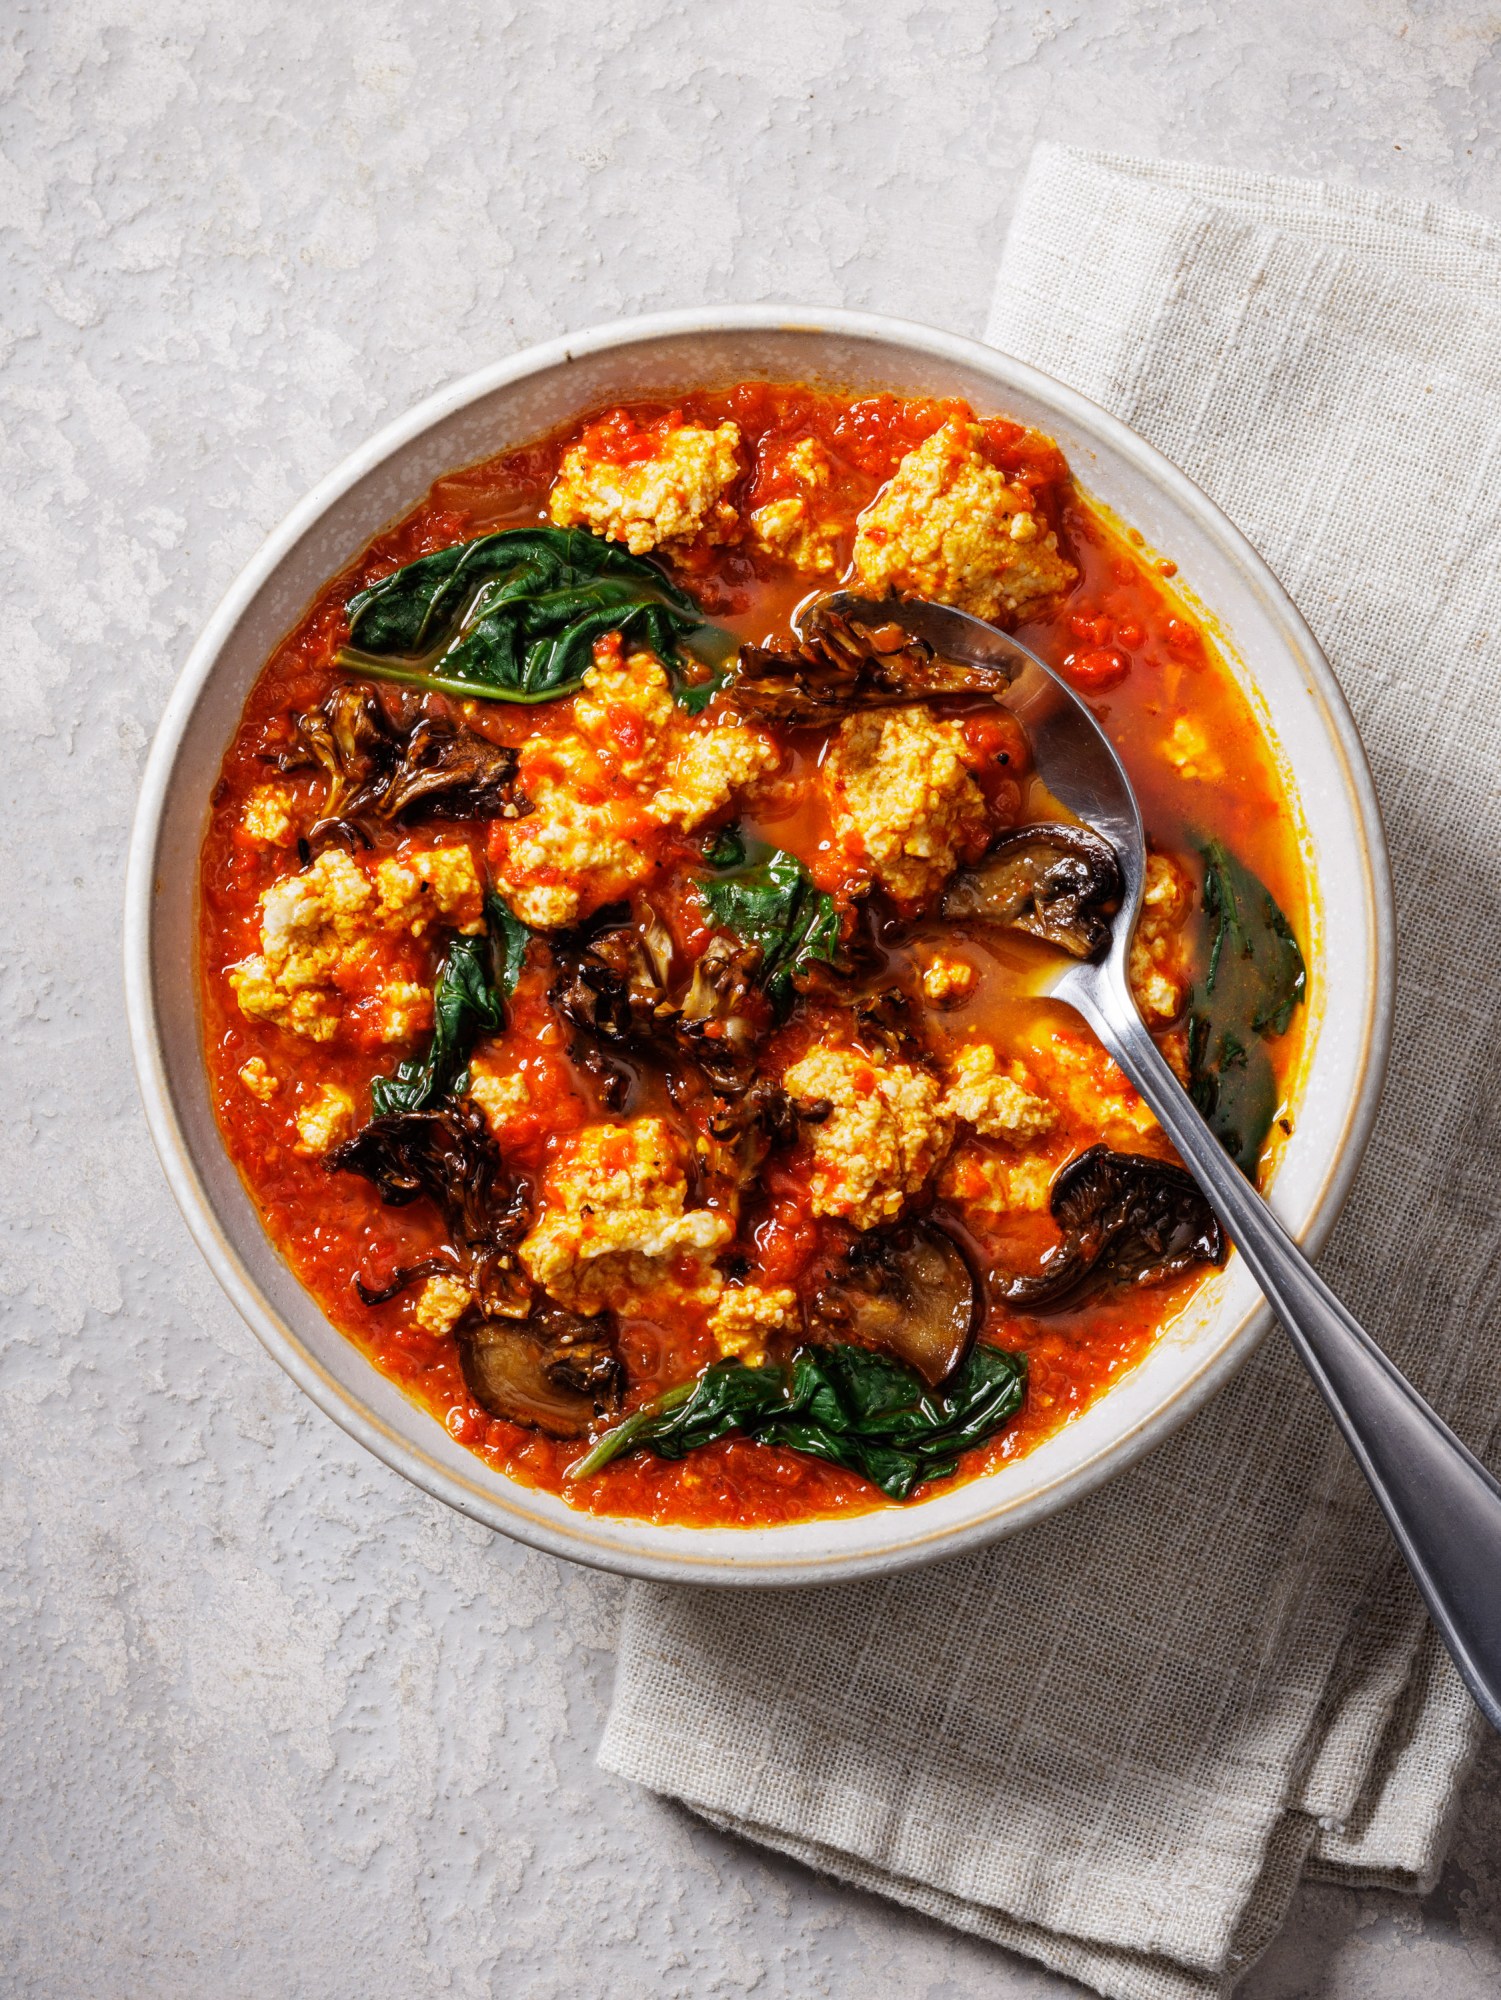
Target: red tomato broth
[(1161, 664)]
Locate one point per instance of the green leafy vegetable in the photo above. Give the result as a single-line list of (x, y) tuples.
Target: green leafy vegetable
[(775, 905), (1253, 979), (508, 941), (726, 849), (475, 980), (846, 1404), (514, 616)]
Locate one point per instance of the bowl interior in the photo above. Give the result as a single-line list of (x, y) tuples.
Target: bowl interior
[(1267, 646)]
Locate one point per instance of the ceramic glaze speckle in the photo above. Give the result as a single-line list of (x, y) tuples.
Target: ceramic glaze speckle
[(274, 1721)]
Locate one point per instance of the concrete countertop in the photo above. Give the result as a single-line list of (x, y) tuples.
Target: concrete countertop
[(273, 1722)]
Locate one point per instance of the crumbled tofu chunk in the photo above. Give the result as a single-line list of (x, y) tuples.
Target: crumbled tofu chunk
[(613, 1227), (310, 923), (946, 980), (996, 1101), (1187, 748), (882, 1135), (673, 496), (901, 793), (790, 527), (440, 883), (267, 819), (325, 1121), (503, 1099), (694, 769), (626, 710), (1159, 962), (441, 1304), (318, 925), (712, 767), (570, 855), (258, 1080), (584, 844), (986, 1184), (745, 1318), (1083, 1081), (948, 525)]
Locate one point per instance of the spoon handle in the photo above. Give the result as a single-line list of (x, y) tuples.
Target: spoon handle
[(1444, 1508)]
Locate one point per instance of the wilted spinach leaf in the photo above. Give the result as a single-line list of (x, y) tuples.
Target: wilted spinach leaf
[(775, 905), (514, 616), (508, 942), (1253, 979), (846, 1404), (726, 848), (475, 980)]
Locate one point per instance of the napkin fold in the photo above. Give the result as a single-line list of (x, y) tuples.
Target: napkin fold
[(1114, 1742)]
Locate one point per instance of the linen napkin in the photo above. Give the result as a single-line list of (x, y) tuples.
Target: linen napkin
[(1115, 1741)]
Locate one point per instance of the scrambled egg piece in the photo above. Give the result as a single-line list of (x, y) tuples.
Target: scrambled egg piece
[(984, 1183), (258, 1080), (1158, 965), (673, 496), (442, 883), (996, 1102), (743, 1319), (883, 1132), (317, 925), (584, 844), (325, 1120), (948, 525), (945, 980), (790, 528), (441, 1304), (901, 792), (267, 818), (613, 1225)]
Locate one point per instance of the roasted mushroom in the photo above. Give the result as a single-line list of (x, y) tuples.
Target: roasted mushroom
[(910, 1290), (380, 770), (551, 1372), (616, 989), (1126, 1220), (448, 1156), (844, 663), (1059, 882)]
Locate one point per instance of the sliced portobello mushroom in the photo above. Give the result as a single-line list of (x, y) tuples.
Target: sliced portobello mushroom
[(844, 663), (552, 1372), (1059, 882), (1126, 1220), (909, 1289)]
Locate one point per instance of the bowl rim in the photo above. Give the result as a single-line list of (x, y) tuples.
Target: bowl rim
[(149, 1056)]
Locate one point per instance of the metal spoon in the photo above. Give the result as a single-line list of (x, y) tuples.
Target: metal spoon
[(1442, 1505)]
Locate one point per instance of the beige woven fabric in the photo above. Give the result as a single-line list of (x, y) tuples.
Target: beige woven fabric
[(1115, 1742)]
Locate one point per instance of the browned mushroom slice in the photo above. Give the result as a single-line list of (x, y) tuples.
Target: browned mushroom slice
[(553, 1372), (1126, 1220), (1056, 881), (845, 663), (910, 1290)]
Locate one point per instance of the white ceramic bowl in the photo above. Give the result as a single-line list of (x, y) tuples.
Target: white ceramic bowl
[(1269, 647)]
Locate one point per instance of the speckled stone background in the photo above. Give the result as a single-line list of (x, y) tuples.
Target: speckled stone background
[(274, 1724)]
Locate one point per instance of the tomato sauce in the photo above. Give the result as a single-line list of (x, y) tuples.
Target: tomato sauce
[(1153, 676)]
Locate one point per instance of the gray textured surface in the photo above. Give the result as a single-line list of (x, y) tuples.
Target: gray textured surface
[(273, 1723)]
